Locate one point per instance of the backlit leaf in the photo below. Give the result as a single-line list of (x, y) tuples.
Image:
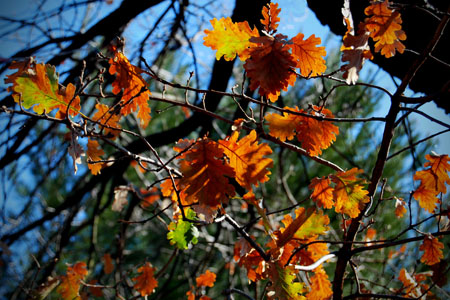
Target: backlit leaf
[(400, 208), (385, 29), (206, 279), (37, 86), (411, 287), (432, 250), (182, 233), (108, 266), (320, 286), (247, 158), (145, 282), (205, 173), (283, 286), (348, 193), (269, 66), (134, 87), (71, 282), (105, 117), (308, 57), (270, 17), (322, 193), (314, 135), (229, 38), (94, 153)]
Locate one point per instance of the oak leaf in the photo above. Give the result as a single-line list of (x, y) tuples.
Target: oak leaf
[(37, 86), (205, 175), (308, 57), (247, 158), (322, 193), (206, 279), (384, 25), (355, 51), (270, 17), (411, 287), (105, 117), (94, 153), (229, 38), (432, 250), (145, 282), (320, 286), (70, 283), (315, 135), (183, 233), (270, 66), (283, 286), (400, 208), (135, 91), (348, 192)]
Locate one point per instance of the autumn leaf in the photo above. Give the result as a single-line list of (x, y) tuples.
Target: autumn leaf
[(229, 38), (270, 17), (70, 283), (75, 150), (385, 29), (247, 158), (320, 286), (355, 51), (400, 208), (348, 192), (134, 87), (270, 66), (145, 282), (94, 153), (120, 198), (314, 135), (432, 250), (105, 117), (308, 57), (432, 181), (183, 233), (205, 175), (322, 193), (108, 266), (206, 279), (37, 86), (411, 287), (149, 196), (94, 290), (283, 286)]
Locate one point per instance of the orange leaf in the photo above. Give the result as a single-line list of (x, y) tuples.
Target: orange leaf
[(270, 17), (70, 283), (385, 29), (134, 87), (322, 193), (411, 287), (348, 193), (146, 282), (229, 38), (108, 266), (205, 175), (247, 159), (95, 291), (206, 279), (320, 285), (370, 234), (432, 250), (437, 175), (104, 117), (400, 208), (427, 198), (308, 57), (149, 196), (94, 153), (355, 51), (269, 66), (190, 295), (314, 135)]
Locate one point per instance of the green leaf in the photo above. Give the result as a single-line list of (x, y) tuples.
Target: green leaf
[(183, 233)]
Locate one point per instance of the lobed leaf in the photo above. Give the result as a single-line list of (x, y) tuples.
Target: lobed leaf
[(145, 282), (308, 57), (432, 250), (182, 233)]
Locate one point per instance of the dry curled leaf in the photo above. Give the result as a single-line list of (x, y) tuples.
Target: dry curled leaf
[(270, 19)]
